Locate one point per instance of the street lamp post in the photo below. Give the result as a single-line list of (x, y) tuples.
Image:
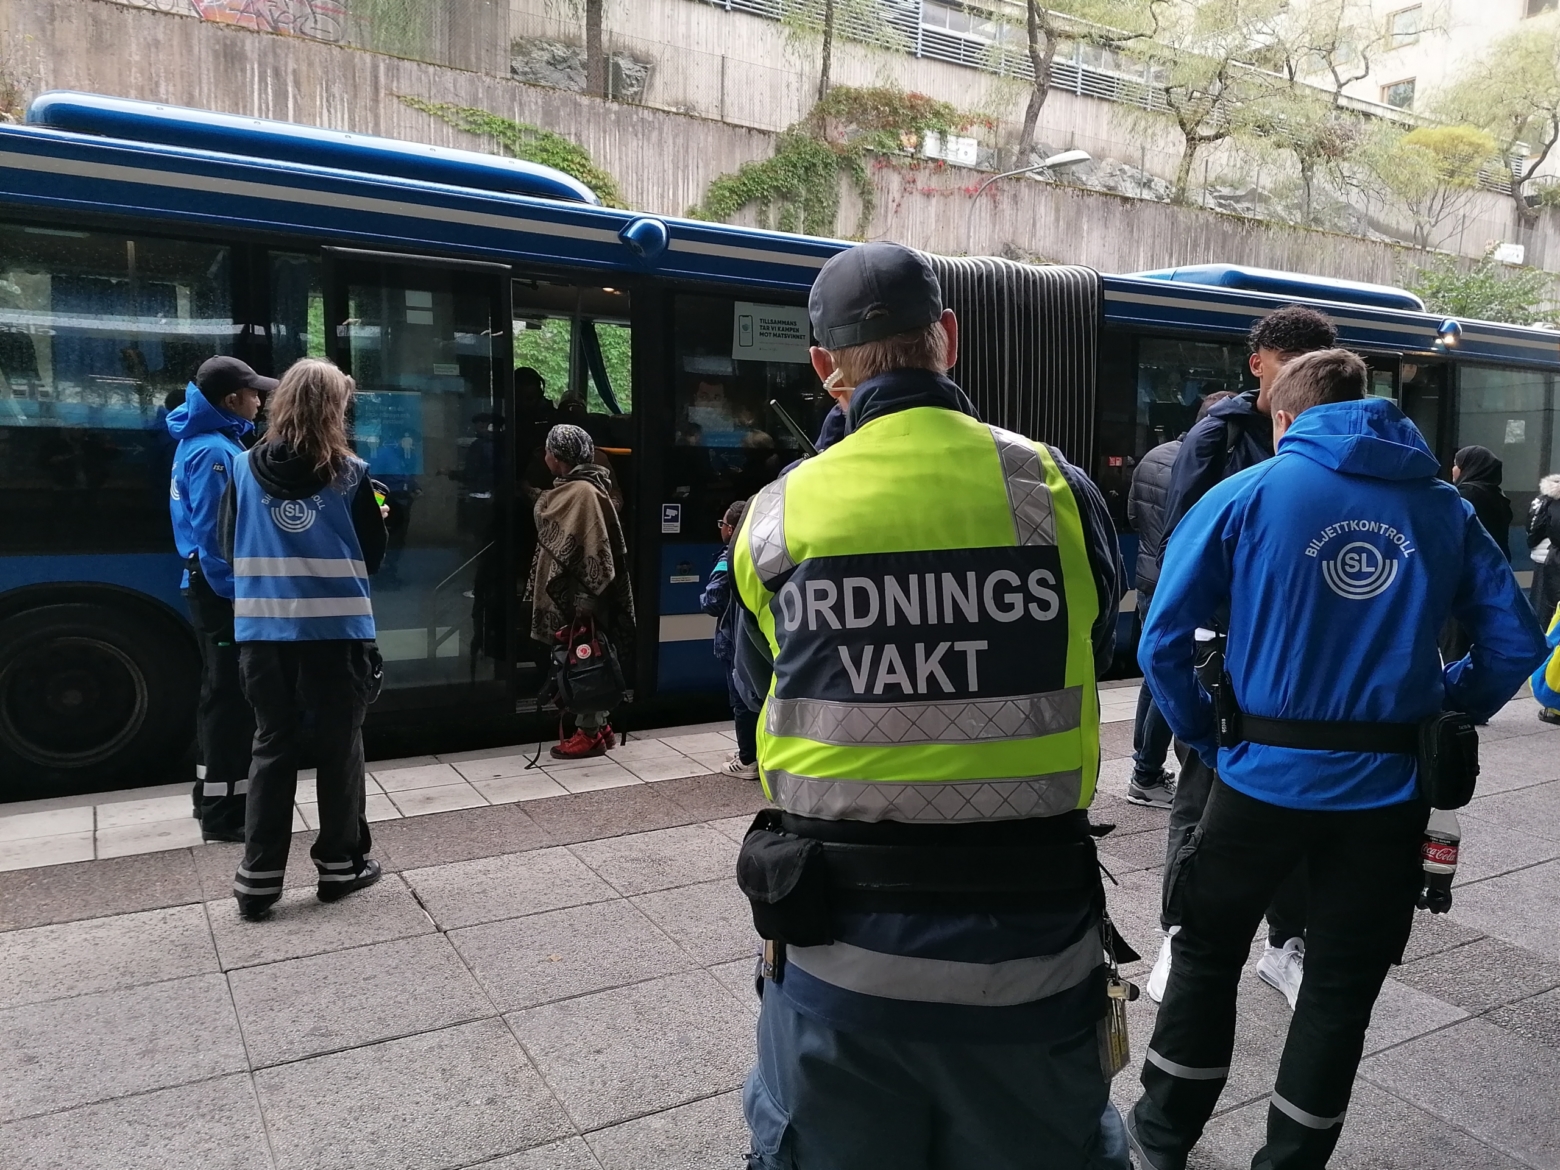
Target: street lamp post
[(1068, 158)]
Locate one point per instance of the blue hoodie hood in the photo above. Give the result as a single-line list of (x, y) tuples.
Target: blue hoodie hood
[(199, 417), (1369, 437)]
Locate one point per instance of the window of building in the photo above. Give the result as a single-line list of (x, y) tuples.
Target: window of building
[(958, 18), (1539, 7), (1399, 94), (99, 334), (1403, 26)]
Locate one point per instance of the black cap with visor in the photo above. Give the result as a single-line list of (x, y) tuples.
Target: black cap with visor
[(870, 292), (220, 376)]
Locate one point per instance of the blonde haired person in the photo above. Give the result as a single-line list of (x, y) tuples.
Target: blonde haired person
[(303, 531)]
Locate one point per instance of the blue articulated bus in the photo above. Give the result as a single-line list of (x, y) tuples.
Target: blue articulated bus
[(138, 240)]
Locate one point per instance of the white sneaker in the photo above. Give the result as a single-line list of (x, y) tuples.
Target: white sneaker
[(1284, 967), (735, 767), (1160, 975)]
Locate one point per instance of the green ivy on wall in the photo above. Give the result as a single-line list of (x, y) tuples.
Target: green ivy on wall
[(798, 188), (524, 141)]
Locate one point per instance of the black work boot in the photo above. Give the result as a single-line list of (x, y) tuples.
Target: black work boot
[(256, 907), (1146, 1158), (333, 889)]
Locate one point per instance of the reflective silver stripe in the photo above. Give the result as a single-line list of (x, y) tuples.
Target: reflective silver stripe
[(302, 607), (213, 788), (335, 865), (1310, 1120), (254, 874), (1028, 496), (936, 801), (246, 888), (337, 877), (241, 787), (968, 721), (1186, 1072), (766, 534), (1004, 984), (298, 567), (200, 771)]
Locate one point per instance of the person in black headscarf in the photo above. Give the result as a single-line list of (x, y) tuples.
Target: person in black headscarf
[(1477, 472)]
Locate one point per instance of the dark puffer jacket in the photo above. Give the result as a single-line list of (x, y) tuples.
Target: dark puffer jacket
[(1544, 524), (1146, 513), (1231, 437)]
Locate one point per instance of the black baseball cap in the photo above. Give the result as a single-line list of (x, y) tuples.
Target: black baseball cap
[(220, 376), (870, 292)]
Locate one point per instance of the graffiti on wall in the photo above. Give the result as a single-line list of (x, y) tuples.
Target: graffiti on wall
[(319, 20)]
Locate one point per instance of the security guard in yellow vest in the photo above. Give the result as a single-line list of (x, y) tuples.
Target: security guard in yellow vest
[(926, 607)]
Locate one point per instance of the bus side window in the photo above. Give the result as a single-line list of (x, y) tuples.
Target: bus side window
[(1512, 413), (732, 359), (99, 335)]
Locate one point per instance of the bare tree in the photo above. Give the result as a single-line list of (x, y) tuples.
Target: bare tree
[(1204, 58), (825, 23), (826, 59), (595, 58), (1321, 47), (1106, 23), (1513, 92), (1431, 173), (593, 13)]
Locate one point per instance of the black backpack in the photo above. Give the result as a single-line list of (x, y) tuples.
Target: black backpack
[(586, 675)]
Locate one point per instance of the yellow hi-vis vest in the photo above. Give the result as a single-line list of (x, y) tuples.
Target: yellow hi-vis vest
[(925, 589)]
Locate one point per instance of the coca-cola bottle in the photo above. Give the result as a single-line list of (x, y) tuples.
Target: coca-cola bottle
[(1439, 854)]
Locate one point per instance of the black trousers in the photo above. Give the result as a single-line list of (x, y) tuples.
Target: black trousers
[(1365, 875), (224, 721), (745, 722), (1285, 913), (298, 689)]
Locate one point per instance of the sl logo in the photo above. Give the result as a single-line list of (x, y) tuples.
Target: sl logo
[(293, 515), (1360, 571)]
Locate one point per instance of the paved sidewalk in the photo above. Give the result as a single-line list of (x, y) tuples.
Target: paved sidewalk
[(566, 982), (149, 820)]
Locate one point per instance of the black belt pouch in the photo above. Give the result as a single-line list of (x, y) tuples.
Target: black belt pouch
[(1448, 759), (786, 879)]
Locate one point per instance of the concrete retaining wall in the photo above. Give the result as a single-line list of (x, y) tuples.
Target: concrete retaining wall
[(662, 161)]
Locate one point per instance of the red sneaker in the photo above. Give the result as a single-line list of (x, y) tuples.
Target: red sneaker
[(580, 746), (608, 736)]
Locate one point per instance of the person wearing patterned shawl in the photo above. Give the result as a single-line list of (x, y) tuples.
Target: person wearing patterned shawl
[(580, 569)]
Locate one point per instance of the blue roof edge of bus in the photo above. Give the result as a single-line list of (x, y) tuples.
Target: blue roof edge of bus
[(168, 125), (696, 249), (1291, 284)]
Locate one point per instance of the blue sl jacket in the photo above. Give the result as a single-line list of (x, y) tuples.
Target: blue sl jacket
[(1339, 560), (209, 440)]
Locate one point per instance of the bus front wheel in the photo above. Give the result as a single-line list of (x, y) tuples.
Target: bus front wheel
[(92, 697)]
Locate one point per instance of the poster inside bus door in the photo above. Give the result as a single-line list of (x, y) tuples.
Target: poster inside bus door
[(769, 333)]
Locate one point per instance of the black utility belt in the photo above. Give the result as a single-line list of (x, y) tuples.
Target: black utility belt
[(796, 882), (1445, 746)]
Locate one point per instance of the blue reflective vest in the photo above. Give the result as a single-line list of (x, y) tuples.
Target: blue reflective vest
[(298, 572)]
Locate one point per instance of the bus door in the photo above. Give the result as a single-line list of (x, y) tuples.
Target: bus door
[(1424, 398), (428, 342), (1419, 389), (574, 363)]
